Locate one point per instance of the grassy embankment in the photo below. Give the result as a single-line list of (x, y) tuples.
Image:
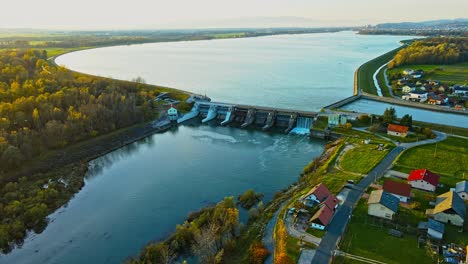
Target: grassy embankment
[(367, 70)]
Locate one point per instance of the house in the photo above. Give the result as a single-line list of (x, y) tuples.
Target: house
[(382, 204), (408, 71), (437, 99), (336, 120), (433, 228), (331, 202), (449, 208), (400, 190), (172, 113), (318, 194), (397, 130), (462, 190), (321, 218), (416, 96), (417, 74), (460, 90), (423, 179), (407, 89)]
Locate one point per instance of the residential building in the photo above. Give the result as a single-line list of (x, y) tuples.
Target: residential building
[(408, 71), (449, 209), (407, 89), (416, 96), (382, 204), (462, 189), (321, 218), (423, 179), (397, 130), (336, 120), (434, 229), (400, 190), (318, 194)]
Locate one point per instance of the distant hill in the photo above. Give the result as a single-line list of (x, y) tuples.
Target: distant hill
[(432, 24)]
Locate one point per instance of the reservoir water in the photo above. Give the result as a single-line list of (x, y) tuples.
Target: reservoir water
[(302, 72), (140, 192)]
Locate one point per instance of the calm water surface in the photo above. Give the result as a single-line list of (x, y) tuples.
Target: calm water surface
[(140, 192), (302, 72)]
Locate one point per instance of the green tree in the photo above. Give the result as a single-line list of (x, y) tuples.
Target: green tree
[(389, 115)]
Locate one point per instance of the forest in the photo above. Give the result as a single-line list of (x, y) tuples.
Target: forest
[(44, 107), (432, 51)]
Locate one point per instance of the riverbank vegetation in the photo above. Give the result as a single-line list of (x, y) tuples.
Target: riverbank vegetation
[(44, 109), (207, 234), (249, 198)]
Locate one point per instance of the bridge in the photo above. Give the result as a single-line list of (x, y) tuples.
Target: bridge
[(297, 121)]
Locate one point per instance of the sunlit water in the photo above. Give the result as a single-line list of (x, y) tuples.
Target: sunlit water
[(140, 192), (302, 72)]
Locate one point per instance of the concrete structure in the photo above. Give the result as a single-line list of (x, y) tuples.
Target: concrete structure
[(397, 130), (423, 179), (462, 189), (336, 120), (382, 204), (400, 190), (173, 114), (449, 209)]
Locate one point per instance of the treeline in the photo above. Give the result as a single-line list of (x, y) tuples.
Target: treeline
[(432, 51), (45, 107), (110, 38), (208, 235)]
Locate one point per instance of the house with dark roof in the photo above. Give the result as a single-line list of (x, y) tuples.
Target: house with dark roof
[(434, 229), (423, 179), (397, 130), (382, 204), (318, 194), (462, 189), (400, 190), (449, 209)]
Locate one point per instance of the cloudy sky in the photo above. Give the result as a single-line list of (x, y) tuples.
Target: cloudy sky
[(129, 14)]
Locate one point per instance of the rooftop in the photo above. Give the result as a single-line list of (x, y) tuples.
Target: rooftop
[(398, 188), (385, 199)]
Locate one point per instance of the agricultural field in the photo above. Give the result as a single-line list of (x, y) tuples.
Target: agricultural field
[(449, 74)]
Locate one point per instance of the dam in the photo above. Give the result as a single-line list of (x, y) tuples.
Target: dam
[(291, 121)]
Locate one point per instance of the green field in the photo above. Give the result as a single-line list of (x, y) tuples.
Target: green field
[(362, 158), (367, 240), (449, 74), (449, 159), (367, 70)]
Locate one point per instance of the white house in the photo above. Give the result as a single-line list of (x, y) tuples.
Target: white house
[(423, 179), (382, 204), (462, 190), (434, 228), (415, 96)]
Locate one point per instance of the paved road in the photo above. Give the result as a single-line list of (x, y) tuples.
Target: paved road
[(338, 224)]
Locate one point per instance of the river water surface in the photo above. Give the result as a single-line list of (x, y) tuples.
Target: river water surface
[(140, 192)]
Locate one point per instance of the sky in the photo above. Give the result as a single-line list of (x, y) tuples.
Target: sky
[(154, 14)]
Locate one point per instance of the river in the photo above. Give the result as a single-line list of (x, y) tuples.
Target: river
[(140, 192)]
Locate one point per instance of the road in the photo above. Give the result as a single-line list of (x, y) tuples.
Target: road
[(343, 214)]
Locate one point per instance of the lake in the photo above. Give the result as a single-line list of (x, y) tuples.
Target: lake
[(302, 72), (140, 192)]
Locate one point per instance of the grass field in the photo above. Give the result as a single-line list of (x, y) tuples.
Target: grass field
[(367, 70), (449, 159), (366, 240), (362, 158), (449, 74)]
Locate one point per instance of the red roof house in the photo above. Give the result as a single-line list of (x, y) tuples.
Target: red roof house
[(331, 202), (423, 179), (317, 195), (397, 130), (322, 218), (400, 190)]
